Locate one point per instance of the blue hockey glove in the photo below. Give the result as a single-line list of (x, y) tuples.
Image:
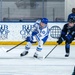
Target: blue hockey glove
[(29, 38)]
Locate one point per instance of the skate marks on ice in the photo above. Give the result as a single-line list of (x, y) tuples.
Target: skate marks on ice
[(28, 66), (57, 54), (55, 64), (15, 54)]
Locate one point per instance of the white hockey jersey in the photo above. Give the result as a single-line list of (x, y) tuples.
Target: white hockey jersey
[(42, 33)]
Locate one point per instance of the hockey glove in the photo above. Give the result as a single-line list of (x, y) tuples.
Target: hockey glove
[(30, 39), (60, 40)]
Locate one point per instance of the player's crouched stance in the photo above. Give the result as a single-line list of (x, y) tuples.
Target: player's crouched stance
[(40, 32), (67, 35)]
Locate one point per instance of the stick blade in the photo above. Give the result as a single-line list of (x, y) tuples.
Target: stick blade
[(7, 50), (4, 49), (43, 57)]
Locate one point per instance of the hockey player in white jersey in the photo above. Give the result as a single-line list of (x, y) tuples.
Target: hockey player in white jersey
[(40, 32)]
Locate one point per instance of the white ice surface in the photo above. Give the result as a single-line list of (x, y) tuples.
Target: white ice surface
[(55, 64)]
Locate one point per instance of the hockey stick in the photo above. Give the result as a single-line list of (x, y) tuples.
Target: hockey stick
[(15, 46), (50, 52), (28, 33)]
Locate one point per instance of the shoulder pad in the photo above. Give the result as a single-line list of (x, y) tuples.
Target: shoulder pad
[(38, 21)]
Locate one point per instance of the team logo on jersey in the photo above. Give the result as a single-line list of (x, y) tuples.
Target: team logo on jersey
[(4, 32), (55, 31), (26, 30)]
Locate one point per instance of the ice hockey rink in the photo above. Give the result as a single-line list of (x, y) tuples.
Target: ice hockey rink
[(55, 64)]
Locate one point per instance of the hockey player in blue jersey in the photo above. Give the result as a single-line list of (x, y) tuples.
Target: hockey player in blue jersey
[(40, 33), (72, 15), (67, 35)]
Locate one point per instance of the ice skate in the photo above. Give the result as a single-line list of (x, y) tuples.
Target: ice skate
[(67, 55), (24, 53), (35, 55)]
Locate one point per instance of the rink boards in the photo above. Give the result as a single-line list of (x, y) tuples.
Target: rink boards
[(12, 33)]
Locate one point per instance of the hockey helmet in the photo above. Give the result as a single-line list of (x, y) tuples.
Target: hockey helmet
[(44, 20)]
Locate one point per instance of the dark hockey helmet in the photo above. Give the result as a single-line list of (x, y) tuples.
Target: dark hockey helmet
[(44, 20), (71, 20)]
